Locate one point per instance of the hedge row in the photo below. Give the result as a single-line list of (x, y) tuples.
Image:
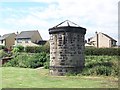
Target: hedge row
[(102, 51), (32, 49), (88, 50)]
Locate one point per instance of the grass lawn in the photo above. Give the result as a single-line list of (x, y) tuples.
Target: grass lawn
[(40, 78)]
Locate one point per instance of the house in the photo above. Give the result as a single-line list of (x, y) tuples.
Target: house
[(8, 40), (101, 40), (28, 38), (42, 42)]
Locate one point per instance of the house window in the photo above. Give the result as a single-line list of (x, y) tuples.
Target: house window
[(2, 41), (60, 37), (26, 41), (113, 43), (19, 41)]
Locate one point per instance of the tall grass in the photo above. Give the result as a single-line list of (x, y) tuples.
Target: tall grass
[(101, 65)]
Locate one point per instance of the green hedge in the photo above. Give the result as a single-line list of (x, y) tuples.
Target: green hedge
[(37, 49), (102, 51), (88, 50), (21, 48)]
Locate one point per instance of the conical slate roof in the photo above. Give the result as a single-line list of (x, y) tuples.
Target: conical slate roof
[(67, 23), (67, 26)]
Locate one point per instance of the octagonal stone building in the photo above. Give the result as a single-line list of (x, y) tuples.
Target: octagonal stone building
[(66, 48)]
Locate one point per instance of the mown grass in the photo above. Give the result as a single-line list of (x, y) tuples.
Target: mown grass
[(13, 77)]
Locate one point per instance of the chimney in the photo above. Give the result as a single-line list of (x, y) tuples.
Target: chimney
[(97, 39), (17, 33)]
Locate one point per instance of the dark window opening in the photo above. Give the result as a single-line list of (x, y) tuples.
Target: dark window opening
[(60, 70), (62, 63), (79, 52), (2, 41), (53, 57)]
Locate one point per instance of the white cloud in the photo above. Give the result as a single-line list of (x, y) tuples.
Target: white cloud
[(6, 31), (95, 15)]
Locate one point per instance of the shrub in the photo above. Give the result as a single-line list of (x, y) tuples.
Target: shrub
[(15, 50), (101, 65), (29, 49), (21, 48), (37, 49), (2, 47), (102, 51), (29, 60), (46, 47), (47, 63), (3, 54)]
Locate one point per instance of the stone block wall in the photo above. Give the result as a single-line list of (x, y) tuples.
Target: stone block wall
[(66, 53)]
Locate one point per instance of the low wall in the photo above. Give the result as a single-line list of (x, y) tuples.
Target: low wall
[(4, 60)]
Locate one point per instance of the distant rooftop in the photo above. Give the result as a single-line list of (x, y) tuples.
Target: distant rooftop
[(5, 36), (109, 37), (26, 34)]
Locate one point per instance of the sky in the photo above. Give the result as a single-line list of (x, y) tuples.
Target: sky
[(24, 15)]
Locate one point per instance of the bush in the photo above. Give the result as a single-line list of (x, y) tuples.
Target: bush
[(101, 65), (33, 49), (47, 63), (29, 60), (15, 50), (102, 51), (3, 54), (2, 47), (21, 48), (37, 49), (29, 49), (46, 47)]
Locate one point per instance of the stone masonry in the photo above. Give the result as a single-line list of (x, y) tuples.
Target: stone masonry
[(66, 50)]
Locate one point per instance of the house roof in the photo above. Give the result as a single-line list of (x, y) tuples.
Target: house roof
[(26, 34), (109, 37), (5, 36), (91, 38), (104, 35)]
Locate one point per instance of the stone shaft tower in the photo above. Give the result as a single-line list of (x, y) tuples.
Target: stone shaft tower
[(66, 48)]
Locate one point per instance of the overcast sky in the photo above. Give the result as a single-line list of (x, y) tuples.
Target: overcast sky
[(94, 15)]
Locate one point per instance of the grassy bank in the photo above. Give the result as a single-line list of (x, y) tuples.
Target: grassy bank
[(101, 65), (13, 77)]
